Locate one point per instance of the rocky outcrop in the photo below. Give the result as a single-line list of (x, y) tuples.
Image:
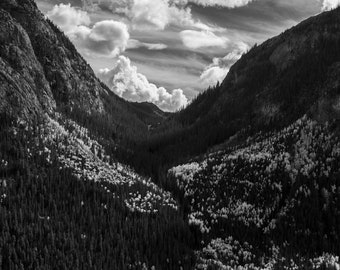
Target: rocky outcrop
[(24, 89), (40, 68)]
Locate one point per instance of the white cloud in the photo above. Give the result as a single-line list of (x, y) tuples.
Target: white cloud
[(151, 12), (218, 70), (221, 3), (197, 39), (118, 6), (213, 74), (330, 4), (68, 18), (124, 5), (154, 14), (106, 37), (124, 80), (160, 13), (135, 44)]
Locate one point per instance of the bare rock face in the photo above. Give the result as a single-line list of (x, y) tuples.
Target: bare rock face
[(39, 67), (24, 88)]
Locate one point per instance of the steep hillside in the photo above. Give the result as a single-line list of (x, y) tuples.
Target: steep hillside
[(42, 72), (66, 204), (264, 196), (266, 193), (66, 200), (280, 80), (46, 61), (271, 86), (149, 113), (48, 74), (272, 203)]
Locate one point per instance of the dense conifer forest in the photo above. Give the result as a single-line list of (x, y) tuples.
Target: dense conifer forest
[(52, 220), (246, 177)]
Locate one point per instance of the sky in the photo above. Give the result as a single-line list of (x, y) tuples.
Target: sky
[(168, 51)]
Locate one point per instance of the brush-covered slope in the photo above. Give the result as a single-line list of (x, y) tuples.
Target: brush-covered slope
[(271, 203), (65, 203), (266, 195)]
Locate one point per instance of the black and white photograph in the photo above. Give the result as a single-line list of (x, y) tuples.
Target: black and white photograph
[(169, 134)]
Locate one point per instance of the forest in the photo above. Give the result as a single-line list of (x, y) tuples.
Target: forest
[(245, 177), (50, 219)]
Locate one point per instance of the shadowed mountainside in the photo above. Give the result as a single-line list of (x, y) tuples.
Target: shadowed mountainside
[(270, 87), (41, 71), (270, 128)]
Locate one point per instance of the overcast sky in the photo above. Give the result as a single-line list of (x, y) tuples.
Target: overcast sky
[(167, 51)]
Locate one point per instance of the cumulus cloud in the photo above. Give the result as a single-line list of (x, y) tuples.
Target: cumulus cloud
[(124, 80), (160, 13), (135, 44), (106, 37), (330, 4), (151, 12), (197, 39), (218, 70), (68, 18)]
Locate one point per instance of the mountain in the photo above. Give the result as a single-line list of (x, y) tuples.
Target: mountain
[(270, 87), (246, 177), (48, 74), (270, 203), (42, 73), (66, 199), (149, 113), (255, 160), (264, 191), (47, 62), (280, 80)]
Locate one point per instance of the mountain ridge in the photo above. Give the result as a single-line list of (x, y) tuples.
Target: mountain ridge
[(265, 178), (270, 87), (265, 196), (65, 78), (67, 198)]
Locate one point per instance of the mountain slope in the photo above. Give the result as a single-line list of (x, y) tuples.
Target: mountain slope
[(271, 86), (270, 201), (66, 201), (50, 74), (66, 204), (265, 195), (34, 47), (24, 90), (149, 113), (283, 78)]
